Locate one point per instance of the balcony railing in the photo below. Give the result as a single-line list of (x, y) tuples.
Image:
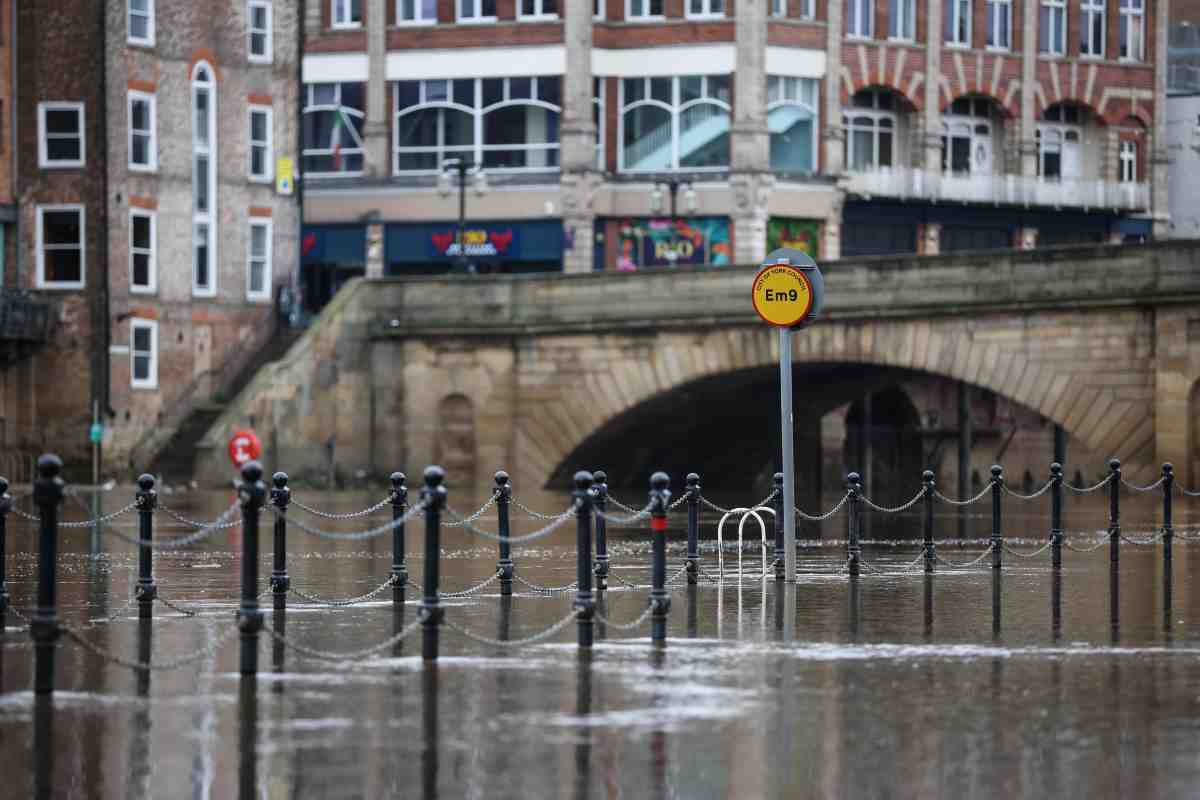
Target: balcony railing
[(1017, 190)]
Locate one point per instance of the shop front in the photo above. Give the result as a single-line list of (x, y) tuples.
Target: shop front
[(794, 233), (330, 255), (634, 243), (492, 247)]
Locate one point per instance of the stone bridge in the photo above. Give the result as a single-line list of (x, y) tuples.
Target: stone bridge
[(542, 375)]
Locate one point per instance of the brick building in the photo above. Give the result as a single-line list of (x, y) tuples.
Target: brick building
[(653, 132), (151, 211)]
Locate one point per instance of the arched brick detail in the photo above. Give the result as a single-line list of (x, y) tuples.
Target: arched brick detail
[(204, 54)]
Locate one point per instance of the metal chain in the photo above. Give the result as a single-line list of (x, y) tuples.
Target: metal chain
[(1097, 546), (185, 611), (626, 583), (964, 565), (1035, 553), (626, 626), (827, 514), (897, 509), (461, 521), (25, 515), (570, 587), (360, 535), (92, 523), (537, 637), (704, 574), (677, 575), (216, 524), (983, 493), (347, 515), (1130, 540), (905, 566), (1137, 488), (141, 666), (1186, 492), (180, 541), (1045, 488), (536, 514), (622, 506), (714, 507), (479, 587), (622, 521), (114, 616), (1088, 490), (352, 655), (529, 537), (682, 499), (312, 598), (19, 615)]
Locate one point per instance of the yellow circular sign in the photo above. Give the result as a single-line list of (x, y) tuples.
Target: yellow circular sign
[(782, 295)]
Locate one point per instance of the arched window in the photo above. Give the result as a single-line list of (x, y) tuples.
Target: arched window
[(871, 124), (1060, 142), (792, 120), (675, 123), (204, 181), (967, 129), (501, 123), (333, 123)]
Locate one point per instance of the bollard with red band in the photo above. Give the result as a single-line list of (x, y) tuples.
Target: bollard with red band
[(660, 601)]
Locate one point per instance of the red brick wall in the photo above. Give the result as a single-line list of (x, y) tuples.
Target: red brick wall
[(791, 34), (500, 35), (650, 35)]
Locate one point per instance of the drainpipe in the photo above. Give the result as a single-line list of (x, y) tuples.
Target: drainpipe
[(100, 318), (297, 174), (15, 163)]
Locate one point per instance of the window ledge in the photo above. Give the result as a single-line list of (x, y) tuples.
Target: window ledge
[(61, 286), (144, 169), (264, 60), (478, 21), (143, 291), (145, 44), (62, 164), (261, 180)]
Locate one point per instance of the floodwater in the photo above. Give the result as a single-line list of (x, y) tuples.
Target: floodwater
[(964, 685)]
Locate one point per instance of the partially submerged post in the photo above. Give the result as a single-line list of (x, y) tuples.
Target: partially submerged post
[(48, 493), (504, 566), (146, 501), (660, 601), (585, 601), (433, 497), (252, 493), (693, 529), (281, 496), (399, 563), (600, 501)]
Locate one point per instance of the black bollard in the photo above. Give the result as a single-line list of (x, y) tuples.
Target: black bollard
[(780, 527), (252, 493), (585, 601), (853, 548), (660, 601), (928, 598), (1056, 605), (146, 501), (1168, 528), (600, 503), (1114, 511), (399, 563), (997, 536), (693, 529), (504, 566), (1056, 505), (930, 552), (433, 497), (48, 493), (6, 504), (281, 497)]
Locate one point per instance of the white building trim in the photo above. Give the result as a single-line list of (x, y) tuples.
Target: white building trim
[(795, 63), (699, 59)]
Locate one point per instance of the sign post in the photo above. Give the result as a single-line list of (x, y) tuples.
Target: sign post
[(788, 293)]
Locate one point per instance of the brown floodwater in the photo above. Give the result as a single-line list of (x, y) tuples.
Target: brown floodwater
[(965, 684)]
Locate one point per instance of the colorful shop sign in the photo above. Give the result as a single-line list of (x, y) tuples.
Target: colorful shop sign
[(798, 234), (537, 241), (664, 242)]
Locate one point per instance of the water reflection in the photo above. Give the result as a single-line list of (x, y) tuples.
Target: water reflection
[(140, 720), (43, 747), (429, 731), (583, 708), (247, 737), (997, 588), (927, 596), (1114, 603)]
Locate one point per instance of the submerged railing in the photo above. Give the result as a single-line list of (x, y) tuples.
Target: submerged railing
[(588, 507)]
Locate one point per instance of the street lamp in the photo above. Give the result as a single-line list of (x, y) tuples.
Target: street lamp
[(463, 168)]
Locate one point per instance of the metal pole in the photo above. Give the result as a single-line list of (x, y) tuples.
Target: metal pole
[(693, 529), (252, 492), (462, 215), (1114, 511), (48, 493), (789, 458), (1168, 473), (6, 504), (585, 601), (780, 549), (964, 454), (1056, 505), (600, 503), (95, 545), (930, 552), (399, 564), (997, 537), (853, 549), (146, 499), (281, 496), (504, 566), (660, 601), (434, 498)]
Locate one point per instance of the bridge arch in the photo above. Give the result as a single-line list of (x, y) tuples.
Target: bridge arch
[(1011, 367)]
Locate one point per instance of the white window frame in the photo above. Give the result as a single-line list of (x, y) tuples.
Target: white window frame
[(1056, 35), (646, 15), (475, 18), (706, 11), (1127, 154), (854, 15), (1126, 42), (1088, 8), (43, 155), (264, 294), (903, 27), (268, 176), (851, 114), (779, 8), (207, 218), (598, 13), (148, 41), (346, 24), (152, 381), (151, 253), (808, 9), (676, 110), (269, 43), (810, 103), (1000, 10), (152, 144), (42, 283), (599, 87), (539, 14), (355, 139), (418, 14), (954, 8)]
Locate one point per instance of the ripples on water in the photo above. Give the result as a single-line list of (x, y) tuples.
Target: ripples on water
[(896, 687)]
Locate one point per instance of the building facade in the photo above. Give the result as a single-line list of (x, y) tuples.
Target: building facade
[(658, 132), (153, 214)]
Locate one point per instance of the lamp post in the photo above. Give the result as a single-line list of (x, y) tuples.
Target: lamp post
[(672, 185), (462, 167)]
